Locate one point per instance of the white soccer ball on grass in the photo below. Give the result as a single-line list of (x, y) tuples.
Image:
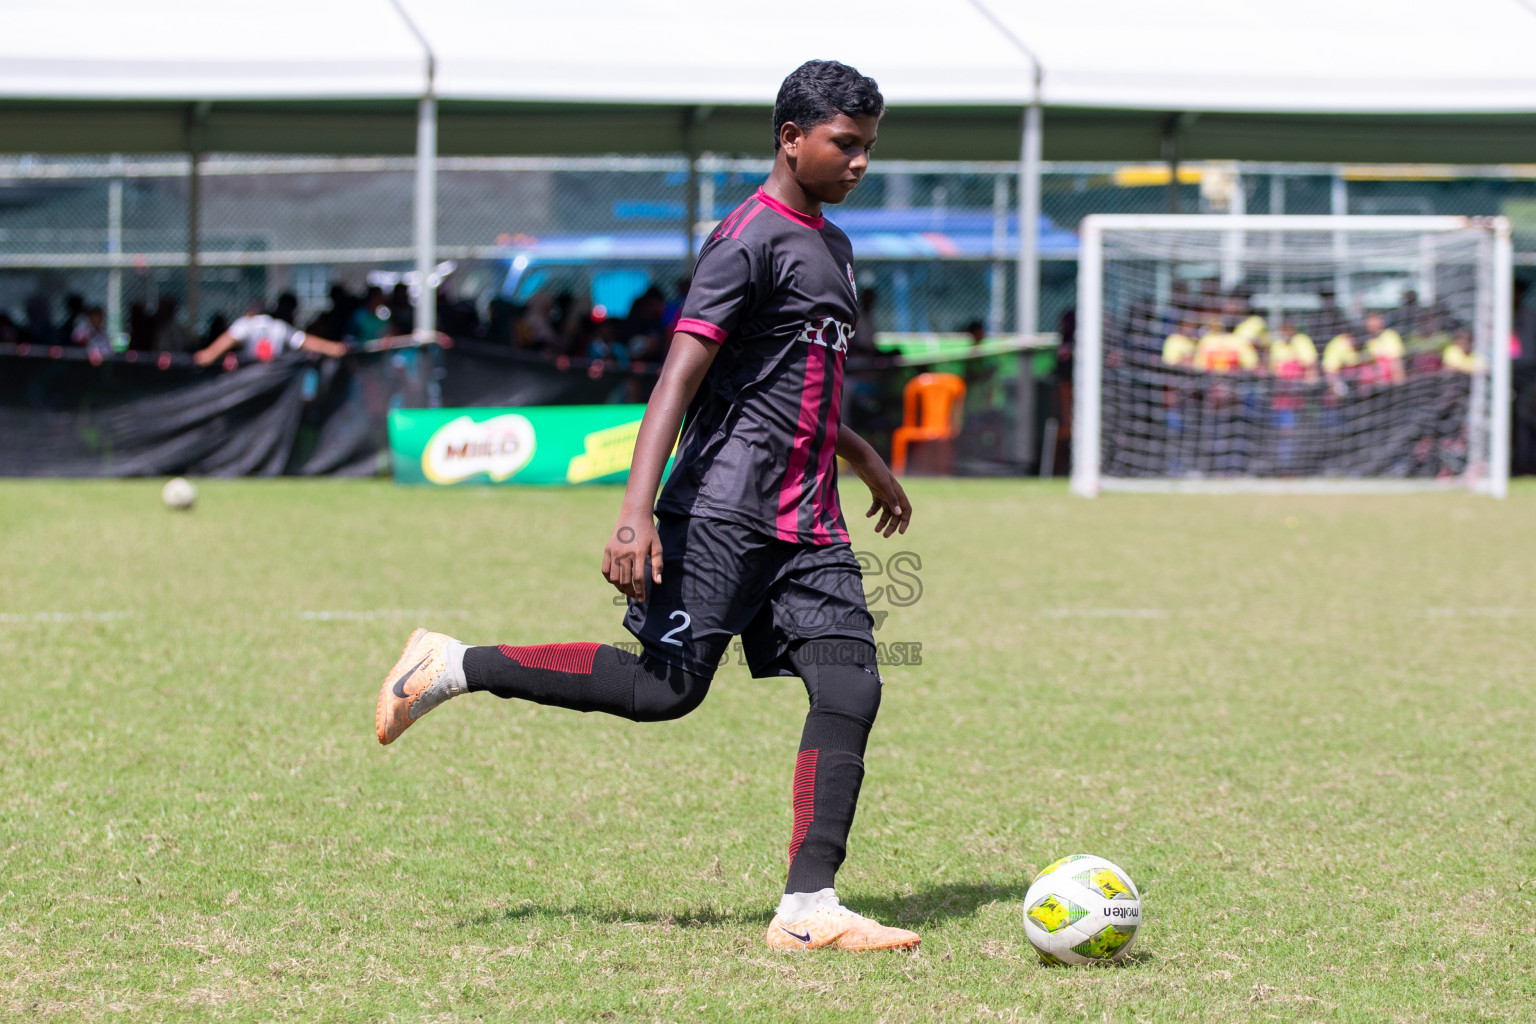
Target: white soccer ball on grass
[(178, 493), (1080, 910)]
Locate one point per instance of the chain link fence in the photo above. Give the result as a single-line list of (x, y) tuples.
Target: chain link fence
[(936, 241)]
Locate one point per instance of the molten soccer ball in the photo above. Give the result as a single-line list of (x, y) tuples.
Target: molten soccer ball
[(1080, 910), (179, 493)]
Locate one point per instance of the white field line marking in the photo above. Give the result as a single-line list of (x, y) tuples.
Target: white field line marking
[(371, 614), (9, 617)]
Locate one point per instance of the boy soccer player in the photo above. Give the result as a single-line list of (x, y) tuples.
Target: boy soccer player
[(747, 537)]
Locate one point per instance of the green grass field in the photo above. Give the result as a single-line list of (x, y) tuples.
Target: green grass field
[(1303, 725)]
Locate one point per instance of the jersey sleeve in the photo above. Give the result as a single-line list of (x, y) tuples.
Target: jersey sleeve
[(723, 292), (293, 337)]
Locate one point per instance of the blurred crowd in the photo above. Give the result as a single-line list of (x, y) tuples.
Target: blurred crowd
[(81, 325), (1226, 335), (1229, 385), (161, 327), (562, 323), (566, 324), (555, 323)]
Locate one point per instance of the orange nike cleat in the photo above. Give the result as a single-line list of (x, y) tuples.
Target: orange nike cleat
[(838, 928), (419, 682)]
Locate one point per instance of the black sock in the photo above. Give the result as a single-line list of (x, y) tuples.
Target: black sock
[(586, 677), (828, 773), (844, 688)]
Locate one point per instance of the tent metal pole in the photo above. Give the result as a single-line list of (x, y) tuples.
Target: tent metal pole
[(997, 273), (194, 214), (693, 117), (426, 218), (115, 246), (1276, 275), (195, 118), (691, 209), (425, 293), (1029, 222), (1339, 207), (1029, 271), (1171, 156), (1028, 312)]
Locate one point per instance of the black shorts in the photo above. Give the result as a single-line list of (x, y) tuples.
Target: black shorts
[(721, 580)]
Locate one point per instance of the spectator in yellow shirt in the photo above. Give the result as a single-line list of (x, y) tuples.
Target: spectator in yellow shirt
[(1253, 328), (1340, 355), (1179, 348), (1386, 348), (1458, 355), (1293, 356), (1256, 330), (1220, 352)]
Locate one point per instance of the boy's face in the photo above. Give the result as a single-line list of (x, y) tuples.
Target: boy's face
[(829, 161)]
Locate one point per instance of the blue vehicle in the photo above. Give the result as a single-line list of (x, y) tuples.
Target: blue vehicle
[(931, 265)]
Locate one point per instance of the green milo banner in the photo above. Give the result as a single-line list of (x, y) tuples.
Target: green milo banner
[(557, 444)]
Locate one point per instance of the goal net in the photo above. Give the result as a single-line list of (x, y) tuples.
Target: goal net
[(1292, 353)]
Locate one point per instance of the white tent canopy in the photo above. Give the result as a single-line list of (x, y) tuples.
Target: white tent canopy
[(1308, 80), (1384, 56), (1306, 56)]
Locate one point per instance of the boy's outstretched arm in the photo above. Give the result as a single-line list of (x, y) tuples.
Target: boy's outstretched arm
[(634, 543), (885, 490), (220, 345)]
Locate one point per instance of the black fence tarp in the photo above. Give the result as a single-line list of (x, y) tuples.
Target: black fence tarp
[(63, 413), (66, 415)]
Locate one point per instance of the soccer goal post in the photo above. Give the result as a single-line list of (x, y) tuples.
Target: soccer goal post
[(1291, 354)]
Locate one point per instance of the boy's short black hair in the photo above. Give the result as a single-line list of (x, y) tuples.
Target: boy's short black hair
[(819, 90)]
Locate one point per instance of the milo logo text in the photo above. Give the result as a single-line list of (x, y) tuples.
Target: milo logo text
[(497, 447)]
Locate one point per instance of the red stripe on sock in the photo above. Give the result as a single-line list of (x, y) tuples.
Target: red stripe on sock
[(555, 657), (804, 798)]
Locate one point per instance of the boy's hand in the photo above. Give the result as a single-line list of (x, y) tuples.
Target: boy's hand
[(633, 546), (888, 498)]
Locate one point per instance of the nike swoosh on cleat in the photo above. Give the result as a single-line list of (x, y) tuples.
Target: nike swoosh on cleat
[(400, 683), (806, 938)]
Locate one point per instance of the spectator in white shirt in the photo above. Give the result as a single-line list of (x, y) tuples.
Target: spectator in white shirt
[(90, 332), (263, 338)]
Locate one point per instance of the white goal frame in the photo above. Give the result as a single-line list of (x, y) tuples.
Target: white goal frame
[(1494, 300)]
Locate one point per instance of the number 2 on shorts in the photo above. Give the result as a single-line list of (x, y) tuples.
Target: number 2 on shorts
[(668, 636)]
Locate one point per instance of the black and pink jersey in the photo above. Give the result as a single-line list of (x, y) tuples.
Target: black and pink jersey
[(775, 289)]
